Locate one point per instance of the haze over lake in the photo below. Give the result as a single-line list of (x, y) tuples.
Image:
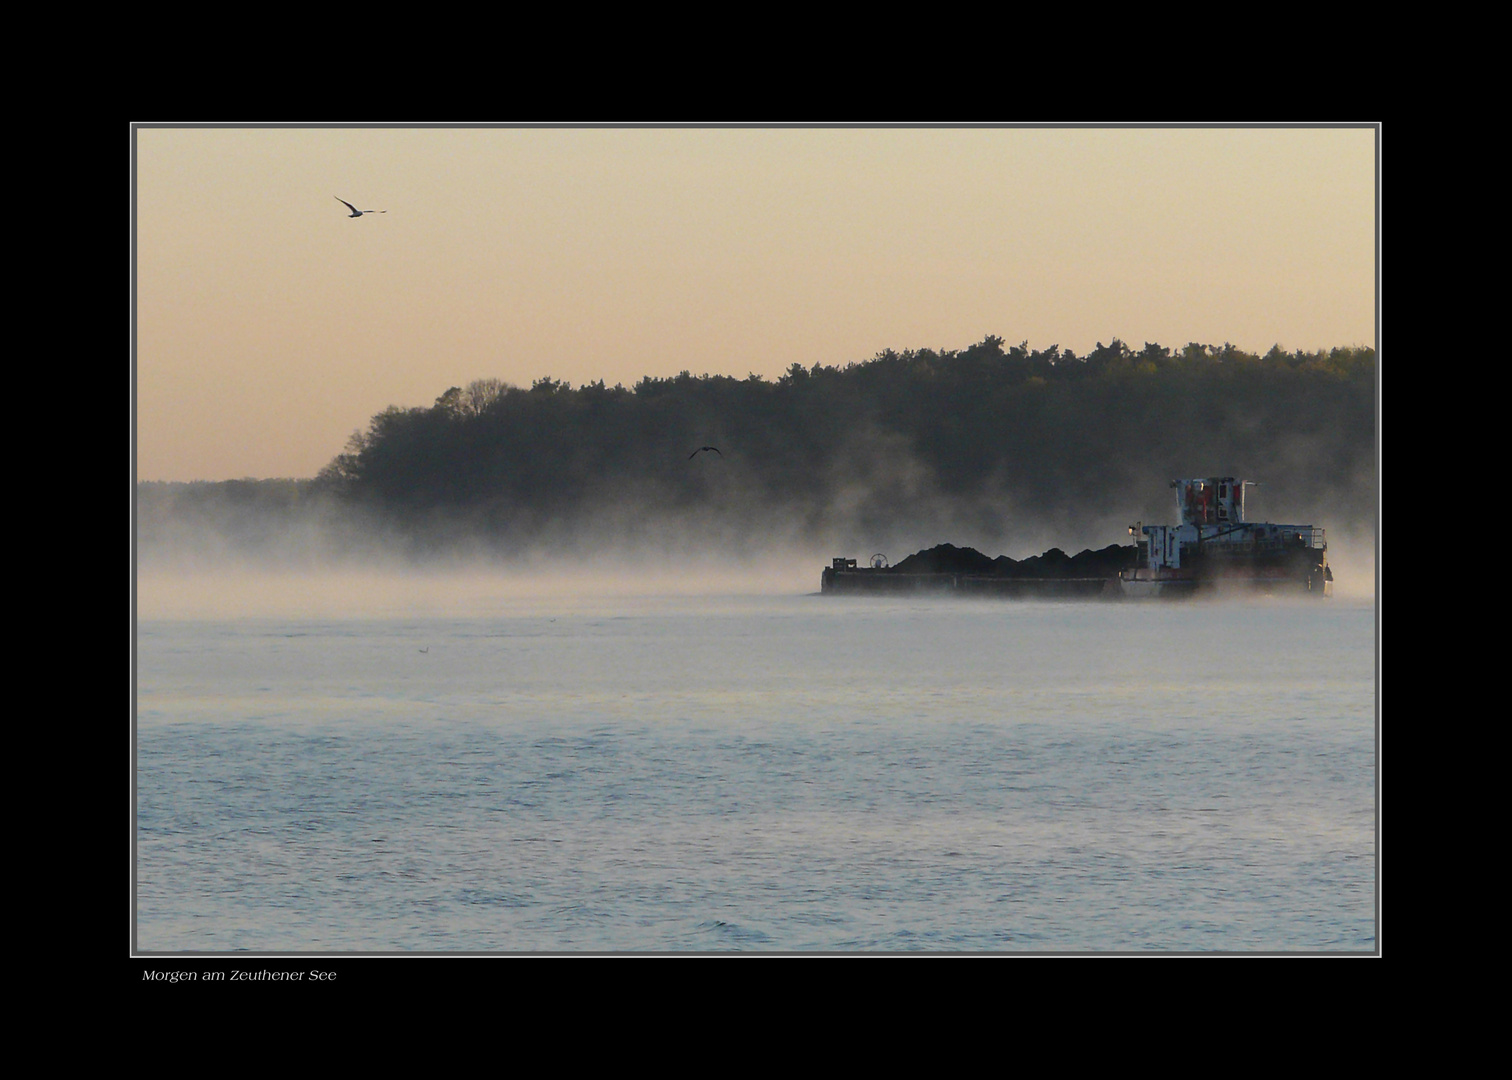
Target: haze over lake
[(770, 771)]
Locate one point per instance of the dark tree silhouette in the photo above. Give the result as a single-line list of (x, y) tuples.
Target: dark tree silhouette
[(1031, 435)]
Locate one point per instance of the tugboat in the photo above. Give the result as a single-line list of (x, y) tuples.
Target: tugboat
[(1214, 548)]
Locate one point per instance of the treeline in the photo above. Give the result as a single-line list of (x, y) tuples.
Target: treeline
[(985, 445), (992, 435)]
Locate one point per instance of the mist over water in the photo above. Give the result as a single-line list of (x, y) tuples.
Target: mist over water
[(647, 731), (257, 591), (353, 592), (694, 751), (207, 555)]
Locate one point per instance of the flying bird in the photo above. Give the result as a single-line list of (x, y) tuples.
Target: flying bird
[(701, 449), (354, 211)]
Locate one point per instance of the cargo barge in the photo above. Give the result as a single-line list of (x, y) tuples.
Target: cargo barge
[(967, 572), (1213, 550)]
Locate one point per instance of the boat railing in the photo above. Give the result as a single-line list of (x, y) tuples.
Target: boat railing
[(1246, 540)]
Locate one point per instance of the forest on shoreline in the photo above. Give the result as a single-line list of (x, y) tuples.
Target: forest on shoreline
[(1011, 445)]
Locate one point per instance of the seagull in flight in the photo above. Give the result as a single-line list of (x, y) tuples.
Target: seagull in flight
[(354, 211), (701, 449)]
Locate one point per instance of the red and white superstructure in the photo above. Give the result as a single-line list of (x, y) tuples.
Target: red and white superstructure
[(1215, 547)]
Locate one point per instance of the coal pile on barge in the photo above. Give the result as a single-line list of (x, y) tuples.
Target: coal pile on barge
[(967, 572)]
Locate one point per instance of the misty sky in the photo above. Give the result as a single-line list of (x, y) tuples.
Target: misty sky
[(270, 324)]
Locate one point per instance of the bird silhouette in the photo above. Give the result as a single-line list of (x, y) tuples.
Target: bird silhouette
[(701, 449), (354, 211)]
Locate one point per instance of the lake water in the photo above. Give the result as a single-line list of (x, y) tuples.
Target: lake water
[(785, 772)]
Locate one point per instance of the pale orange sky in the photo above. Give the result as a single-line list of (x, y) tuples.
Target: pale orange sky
[(270, 325)]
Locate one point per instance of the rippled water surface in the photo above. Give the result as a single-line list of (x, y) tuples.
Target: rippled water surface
[(784, 773)]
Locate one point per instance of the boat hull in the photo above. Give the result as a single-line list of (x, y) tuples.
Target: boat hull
[(874, 582)]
